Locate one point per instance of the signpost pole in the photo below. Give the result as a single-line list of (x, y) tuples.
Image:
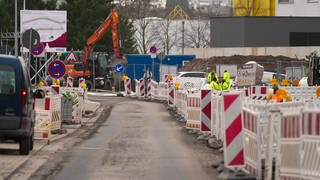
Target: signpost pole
[(94, 75)]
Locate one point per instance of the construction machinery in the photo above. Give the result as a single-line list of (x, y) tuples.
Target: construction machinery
[(98, 68)]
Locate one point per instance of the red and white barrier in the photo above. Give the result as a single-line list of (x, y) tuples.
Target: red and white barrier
[(233, 144), (81, 82), (149, 87), (55, 90), (141, 87), (193, 111), (180, 101), (310, 144), (69, 81), (302, 93), (216, 117), (154, 89), (163, 91), (127, 86), (171, 95), (206, 110), (258, 92)]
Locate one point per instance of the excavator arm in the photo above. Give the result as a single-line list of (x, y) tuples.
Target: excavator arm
[(111, 21)]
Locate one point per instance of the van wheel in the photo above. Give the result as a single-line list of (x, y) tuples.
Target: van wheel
[(31, 142), (24, 144)]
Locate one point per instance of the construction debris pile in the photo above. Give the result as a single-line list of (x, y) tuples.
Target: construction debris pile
[(270, 63)]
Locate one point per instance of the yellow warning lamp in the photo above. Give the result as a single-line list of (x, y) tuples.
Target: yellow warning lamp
[(41, 84), (170, 78), (285, 82), (177, 85), (288, 98), (83, 85), (295, 82), (274, 82), (58, 82), (318, 91), (54, 82), (124, 77)]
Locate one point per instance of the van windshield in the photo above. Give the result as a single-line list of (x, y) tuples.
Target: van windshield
[(7, 80)]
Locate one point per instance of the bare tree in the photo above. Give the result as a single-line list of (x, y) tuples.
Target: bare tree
[(197, 34), (139, 11), (165, 35)]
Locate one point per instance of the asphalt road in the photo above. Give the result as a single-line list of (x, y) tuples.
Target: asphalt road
[(136, 140)]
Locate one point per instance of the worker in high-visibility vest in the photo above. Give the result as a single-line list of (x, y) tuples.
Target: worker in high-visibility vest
[(226, 76), (224, 85), (209, 76), (215, 85)]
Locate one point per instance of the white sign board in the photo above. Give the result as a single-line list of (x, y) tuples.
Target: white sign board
[(51, 25), (246, 75)]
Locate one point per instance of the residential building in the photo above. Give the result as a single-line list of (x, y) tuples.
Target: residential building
[(298, 8)]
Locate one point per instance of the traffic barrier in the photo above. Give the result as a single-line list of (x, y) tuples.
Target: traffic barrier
[(81, 82), (137, 87), (258, 92), (69, 81), (206, 110), (302, 93), (180, 101), (252, 149), (55, 90), (171, 95), (193, 111), (141, 87), (127, 86), (216, 116), (163, 91), (233, 143), (74, 101), (310, 144), (154, 89), (149, 85)]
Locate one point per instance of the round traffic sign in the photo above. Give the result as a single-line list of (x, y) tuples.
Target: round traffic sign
[(119, 68), (153, 49), (56, 69), (30, 38), (37, 50)]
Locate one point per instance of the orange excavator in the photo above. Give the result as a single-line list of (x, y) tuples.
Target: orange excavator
[(102, 72)]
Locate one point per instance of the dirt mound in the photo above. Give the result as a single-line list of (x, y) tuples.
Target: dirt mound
[(270, 63)]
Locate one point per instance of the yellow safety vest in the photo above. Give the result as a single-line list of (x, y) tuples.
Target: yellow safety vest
[(215, 85), (225, 86), (226, 77)]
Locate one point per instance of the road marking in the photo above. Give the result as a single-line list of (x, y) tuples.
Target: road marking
[(89, 148)]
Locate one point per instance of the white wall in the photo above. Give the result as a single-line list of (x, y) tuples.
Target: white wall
[(298, 8), (293, 52)]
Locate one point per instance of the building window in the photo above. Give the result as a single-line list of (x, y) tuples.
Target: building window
[(286, 1), (312, 1)]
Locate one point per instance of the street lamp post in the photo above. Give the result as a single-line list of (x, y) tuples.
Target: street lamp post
[(15, 28)]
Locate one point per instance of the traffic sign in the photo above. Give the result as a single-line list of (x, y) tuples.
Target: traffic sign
[(119, 68), (56, 69), (30, 38), (37, 50), (71, 57), (153, 49)]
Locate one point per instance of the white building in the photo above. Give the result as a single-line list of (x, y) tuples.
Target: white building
[(297, 7)]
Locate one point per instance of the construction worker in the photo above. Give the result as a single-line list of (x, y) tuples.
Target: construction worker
[(215, 85), (226, 76), (224, 85), (209, 76)]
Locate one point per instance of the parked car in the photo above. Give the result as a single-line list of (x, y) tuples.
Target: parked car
[(195, 74), (190, 80), (17, 114)]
